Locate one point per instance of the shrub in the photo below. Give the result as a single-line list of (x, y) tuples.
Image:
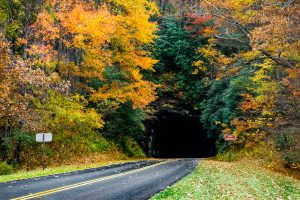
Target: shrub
[(12, 147), (132, 148), (99, 145), (292, 160), (227, 156), (125, 122), (5, 168), (285, 141)]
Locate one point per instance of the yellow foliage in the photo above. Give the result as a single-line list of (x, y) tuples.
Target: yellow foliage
[(70, 115), (140, 93), (113, 34)]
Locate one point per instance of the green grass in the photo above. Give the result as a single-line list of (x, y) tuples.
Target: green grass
[(52, 170), (239, 180)]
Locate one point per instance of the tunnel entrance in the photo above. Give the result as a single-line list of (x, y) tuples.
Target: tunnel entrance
[(175, 135)]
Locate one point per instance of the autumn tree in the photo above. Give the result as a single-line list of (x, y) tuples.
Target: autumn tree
[(63, 60), (265, 41), (270, 27), (71, 47)]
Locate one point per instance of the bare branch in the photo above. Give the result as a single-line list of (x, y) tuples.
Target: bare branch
[(286, 4), (232, 38), (280, 61)]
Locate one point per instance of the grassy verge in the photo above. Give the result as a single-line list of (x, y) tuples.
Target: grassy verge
[(48, 171), (83, 163), (238, 180)]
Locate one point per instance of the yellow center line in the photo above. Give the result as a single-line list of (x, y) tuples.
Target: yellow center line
[(68, 187)]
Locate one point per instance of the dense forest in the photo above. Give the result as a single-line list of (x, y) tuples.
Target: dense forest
[(95, 72)]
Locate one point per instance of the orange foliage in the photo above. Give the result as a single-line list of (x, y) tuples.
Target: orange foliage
[(140, 93), (99, 37)]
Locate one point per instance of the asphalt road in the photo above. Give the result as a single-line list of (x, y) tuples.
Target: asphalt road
[(136, 180)]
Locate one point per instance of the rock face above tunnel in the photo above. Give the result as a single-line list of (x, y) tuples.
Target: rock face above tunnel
[(179, 135)]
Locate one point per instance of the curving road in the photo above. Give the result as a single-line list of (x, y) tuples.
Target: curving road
[(135, 180)]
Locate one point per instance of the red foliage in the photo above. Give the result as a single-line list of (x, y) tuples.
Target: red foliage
[(196, 23), (196, 19)]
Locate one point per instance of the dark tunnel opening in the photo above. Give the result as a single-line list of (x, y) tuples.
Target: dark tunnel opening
[(175, 135)]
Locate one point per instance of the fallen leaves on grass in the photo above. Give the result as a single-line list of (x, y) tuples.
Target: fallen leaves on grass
[(236, 180)]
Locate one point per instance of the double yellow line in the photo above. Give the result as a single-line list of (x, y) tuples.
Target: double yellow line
[(76, 185)]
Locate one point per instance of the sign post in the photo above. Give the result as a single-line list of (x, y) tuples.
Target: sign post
[(43, 138), (230, 139)]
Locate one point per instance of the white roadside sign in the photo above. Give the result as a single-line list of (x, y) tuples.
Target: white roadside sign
[(43, 137)]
